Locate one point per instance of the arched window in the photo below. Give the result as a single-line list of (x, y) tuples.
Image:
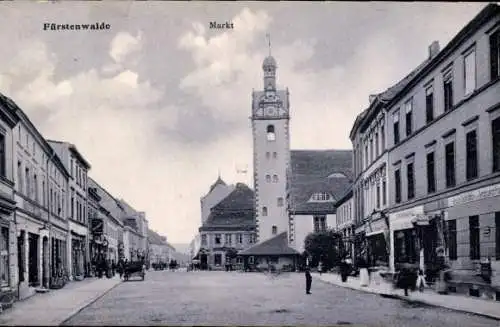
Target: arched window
[(264, 211), (268, 178), (274, 230), (271, 136), (275, 178), (275, 155)]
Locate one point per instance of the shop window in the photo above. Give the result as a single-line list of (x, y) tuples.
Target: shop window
[(452, 239), (4, 257), (497, 235), (471, 150), (405, 246), (431, 173), (475, 249)]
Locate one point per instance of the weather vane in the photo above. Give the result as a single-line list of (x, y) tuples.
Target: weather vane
[(269, 42)]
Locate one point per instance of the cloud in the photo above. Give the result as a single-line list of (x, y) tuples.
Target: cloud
[(125, 45)]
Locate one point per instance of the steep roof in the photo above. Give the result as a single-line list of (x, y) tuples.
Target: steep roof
[(277, 245), (318, 171), (236, 211), (219, 181)]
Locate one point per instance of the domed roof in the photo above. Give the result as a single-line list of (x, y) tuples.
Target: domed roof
[(269, 61)]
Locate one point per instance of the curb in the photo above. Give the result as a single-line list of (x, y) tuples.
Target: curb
[(78, 310), (410, 300)]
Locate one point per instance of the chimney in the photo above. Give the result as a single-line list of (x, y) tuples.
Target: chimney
[(371, 98), (433, 49)]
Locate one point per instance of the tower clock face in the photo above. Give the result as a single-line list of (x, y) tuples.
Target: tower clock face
[(271, 111)]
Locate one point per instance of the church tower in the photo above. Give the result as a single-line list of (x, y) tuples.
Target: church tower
[(271, 154)]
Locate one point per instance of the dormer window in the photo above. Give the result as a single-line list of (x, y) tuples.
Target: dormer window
[(323, 196)]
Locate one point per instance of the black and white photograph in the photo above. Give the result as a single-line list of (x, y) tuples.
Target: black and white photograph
[(249, 163)]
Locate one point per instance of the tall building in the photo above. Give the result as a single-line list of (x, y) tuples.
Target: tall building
[(271, 154), (218, 191)]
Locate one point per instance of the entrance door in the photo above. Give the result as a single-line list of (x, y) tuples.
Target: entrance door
[(21, 256), (33, 259), (45, 262)]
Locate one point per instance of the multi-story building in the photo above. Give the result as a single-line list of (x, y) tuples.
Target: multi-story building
[(41, 216), (218, 191), (159, 251), (230, 226), (135, 231), (8, 249), (445, 198), (345, 221), (78, 244)]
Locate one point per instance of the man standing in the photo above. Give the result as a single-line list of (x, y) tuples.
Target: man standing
[(308, 280)]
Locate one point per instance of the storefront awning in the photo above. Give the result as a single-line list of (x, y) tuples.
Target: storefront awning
[(374, 233)]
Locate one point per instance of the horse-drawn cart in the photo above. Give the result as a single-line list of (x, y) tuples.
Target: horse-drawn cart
[(134, 269)]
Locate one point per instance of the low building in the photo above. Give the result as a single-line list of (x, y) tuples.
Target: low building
[(230, 227)]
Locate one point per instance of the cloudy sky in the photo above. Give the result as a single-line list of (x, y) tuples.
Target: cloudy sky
[(159, 102)]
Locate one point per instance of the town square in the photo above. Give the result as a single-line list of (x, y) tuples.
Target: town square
[(167, 164)]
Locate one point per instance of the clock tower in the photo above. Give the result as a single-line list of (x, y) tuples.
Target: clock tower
[(271, 154)]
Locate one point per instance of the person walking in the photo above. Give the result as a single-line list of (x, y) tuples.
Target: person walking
[(343, 270), (320, 267), (308, 281)]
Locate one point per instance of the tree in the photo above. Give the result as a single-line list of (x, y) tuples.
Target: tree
[(326, 246)]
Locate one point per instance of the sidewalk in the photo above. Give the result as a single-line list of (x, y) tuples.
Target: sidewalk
[(56, 306), (461, 303)]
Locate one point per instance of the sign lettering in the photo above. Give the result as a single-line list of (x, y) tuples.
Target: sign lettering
[(482, 193)]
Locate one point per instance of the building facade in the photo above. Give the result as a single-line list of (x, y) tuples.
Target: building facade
[(345, 223), (8, 249), (78, 224), (218, 191), (271, 154), (445, 166)]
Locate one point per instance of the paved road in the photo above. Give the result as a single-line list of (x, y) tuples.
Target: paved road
[(222, 298)]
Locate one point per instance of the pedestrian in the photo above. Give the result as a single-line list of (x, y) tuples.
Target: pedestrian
[(320, 267), (308, 281), (343, 270), (421, 284), (363, 272)]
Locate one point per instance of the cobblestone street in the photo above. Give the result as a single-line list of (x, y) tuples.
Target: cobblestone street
[(221, 298)]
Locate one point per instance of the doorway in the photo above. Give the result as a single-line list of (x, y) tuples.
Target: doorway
[(33, 260)]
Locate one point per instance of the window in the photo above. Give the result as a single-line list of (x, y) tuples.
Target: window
[(229, 239), (4, 257), (274, 230), (271, 136), (382, 136), (3, 171), (275, 178), (275, 155), (268, 155), (475, 250), (35, 187), (28, 182), (431, 173), (495, 131), (471, 149), (217, 239), (396, 127), (429, 104), (376, 145), (366, 156), (409, 117), (378, 196), (497, 235), (450, 164), (452, 239), (397, 180), (43, 194), (217, 259), (371, 150), (495, 54), (448, 92), (239, 238), (410, 175), (251, 238), (321, 196), (470, 72), (319, 224), (264, 211), (384, 196), (280, 202), (268, 178)]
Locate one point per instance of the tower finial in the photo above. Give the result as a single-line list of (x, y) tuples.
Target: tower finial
[(218, 173), (269, 42)]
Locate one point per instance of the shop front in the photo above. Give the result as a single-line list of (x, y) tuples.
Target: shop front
[(376, 234)]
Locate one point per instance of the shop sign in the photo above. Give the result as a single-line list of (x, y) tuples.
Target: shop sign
[(479, 194), (407, 214)]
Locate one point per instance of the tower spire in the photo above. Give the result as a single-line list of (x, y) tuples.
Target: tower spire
[(268, 35)]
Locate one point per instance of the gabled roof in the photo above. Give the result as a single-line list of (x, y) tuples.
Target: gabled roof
[(318, 171), (277, 245), (219, 181), (72, 148), (236, 211)]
